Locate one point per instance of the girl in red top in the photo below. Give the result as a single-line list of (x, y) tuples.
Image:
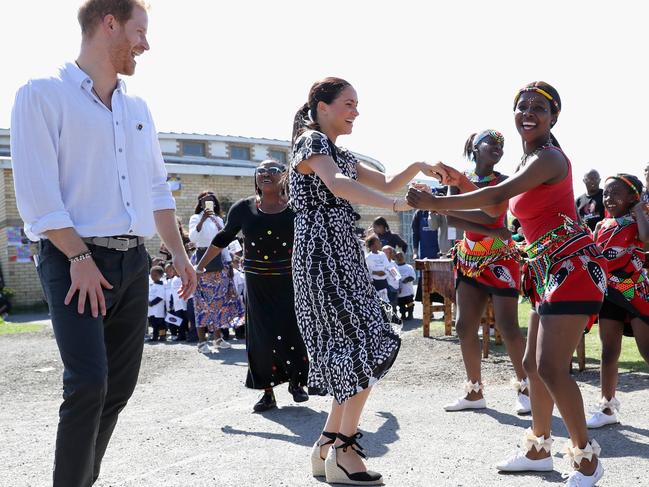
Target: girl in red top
[(626, 307), (565, 280), (486, 265)]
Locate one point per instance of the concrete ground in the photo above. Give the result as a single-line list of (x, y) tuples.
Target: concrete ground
[(189, 422)]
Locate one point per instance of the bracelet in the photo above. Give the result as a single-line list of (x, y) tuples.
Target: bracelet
[(78, 258), (394, 205)]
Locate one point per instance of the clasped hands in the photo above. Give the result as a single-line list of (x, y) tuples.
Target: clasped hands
[(420, 195)]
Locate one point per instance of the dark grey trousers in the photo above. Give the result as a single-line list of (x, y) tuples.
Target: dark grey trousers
[(101, 356)]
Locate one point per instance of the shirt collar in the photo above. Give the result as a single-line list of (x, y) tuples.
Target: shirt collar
[(79, 77)]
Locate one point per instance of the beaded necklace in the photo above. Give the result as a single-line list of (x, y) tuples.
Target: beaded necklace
[(474, 178)]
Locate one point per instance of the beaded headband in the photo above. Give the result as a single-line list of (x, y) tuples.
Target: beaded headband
[(628, 183), (540, 91), (497, 136)]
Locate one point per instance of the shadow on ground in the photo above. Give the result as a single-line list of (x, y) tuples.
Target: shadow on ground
[(303, 421)]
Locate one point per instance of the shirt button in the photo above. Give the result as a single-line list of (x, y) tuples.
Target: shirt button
[(123, 177), (128, 204), (130, 231), (116, 123), (120, 149)]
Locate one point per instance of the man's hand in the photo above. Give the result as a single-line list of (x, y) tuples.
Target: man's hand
[(187, 275), (88, 281)]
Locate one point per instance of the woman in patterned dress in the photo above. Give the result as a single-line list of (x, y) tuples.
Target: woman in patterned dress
[(626, 307), (486, 265), (565, 279), (345, 327)]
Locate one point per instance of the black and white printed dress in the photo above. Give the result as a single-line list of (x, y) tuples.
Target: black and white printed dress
[(346, 330)]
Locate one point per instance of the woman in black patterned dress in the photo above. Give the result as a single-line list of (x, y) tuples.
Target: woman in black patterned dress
[(346, 330)]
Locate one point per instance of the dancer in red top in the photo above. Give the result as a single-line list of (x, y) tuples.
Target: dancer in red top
[(565, 279), (626, 307), (486, 265)]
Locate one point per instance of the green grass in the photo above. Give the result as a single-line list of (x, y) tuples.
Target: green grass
[(630, 359), (14, 328)]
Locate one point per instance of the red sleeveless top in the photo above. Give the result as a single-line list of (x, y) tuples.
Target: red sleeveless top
[(540, 209), (475, 237)]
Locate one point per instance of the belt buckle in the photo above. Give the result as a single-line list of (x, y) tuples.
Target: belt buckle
[(123, 243)]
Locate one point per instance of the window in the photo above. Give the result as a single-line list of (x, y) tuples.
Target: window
[(278, 155), (194, 149), (241, 153), (4, 150)]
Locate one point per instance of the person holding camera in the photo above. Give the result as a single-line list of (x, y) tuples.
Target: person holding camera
[(216, 305)]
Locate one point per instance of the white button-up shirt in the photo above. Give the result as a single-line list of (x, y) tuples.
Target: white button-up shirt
[(78, 164)]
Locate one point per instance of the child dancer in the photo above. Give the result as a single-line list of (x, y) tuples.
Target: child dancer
[(626, 307)]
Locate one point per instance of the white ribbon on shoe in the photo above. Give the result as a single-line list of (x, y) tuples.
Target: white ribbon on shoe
[(613, 404), (521, 385), (470, 387), (537, 442), (576, 454)]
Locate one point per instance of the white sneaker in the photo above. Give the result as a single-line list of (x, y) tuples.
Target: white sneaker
[(520, 463), (462, 404), (599, 419), (221, 343), (578, 479), (204, 348), (522, 405)]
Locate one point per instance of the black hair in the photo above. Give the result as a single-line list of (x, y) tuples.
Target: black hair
[(326, 91), (199, 206), (369, 241), (468, 148), (382, 221), (158, 269), (635, 183), (555, 103), (283, 181)]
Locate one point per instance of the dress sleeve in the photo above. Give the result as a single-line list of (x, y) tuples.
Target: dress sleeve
[(310, 143), (232, 226)]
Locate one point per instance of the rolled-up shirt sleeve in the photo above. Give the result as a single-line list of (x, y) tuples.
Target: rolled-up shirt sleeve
[(34, 155), (160, 191)]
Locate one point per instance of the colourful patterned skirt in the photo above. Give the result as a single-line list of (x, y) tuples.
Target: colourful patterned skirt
[(491, 264), (628, 287), (565, 273), (216, 303)]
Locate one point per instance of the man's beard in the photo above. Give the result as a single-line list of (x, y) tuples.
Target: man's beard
[(121, 58)]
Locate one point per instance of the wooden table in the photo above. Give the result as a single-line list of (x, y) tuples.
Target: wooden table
[(437, 276)]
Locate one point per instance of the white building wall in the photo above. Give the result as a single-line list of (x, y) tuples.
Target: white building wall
[(259, 152), (218, 149), (168, 146)]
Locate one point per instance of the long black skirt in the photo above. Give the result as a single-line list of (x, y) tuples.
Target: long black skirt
[(276, 351)]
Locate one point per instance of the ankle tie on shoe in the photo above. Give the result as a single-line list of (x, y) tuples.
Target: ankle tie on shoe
[(330, 436), (613, 404), (350, 442), (470, 387), (537, 443), (576, 454), (520, 386)]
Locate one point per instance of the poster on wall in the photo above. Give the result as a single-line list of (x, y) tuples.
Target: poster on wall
[(23, 254), (16, 236)]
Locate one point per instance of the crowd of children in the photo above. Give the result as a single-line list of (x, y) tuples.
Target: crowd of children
[(392, 277), (167, 310)]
